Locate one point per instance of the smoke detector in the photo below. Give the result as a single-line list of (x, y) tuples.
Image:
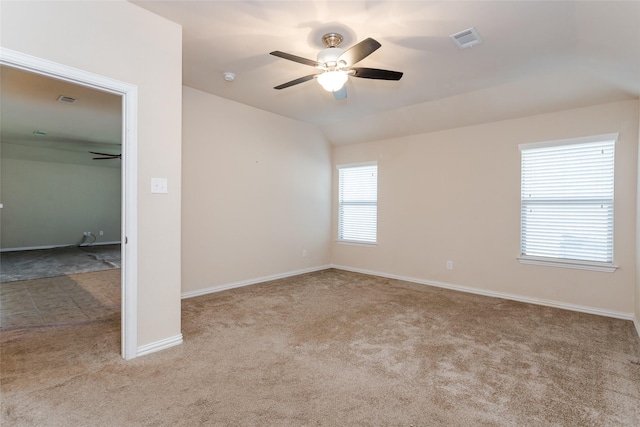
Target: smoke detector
[(466, 38), (229, 76)]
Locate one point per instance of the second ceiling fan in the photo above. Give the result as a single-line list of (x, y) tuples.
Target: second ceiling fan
[(336, 65)]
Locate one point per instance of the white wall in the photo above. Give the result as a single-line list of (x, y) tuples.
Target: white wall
[(455, 195), (50, 204), (256, 192), (121, 41)]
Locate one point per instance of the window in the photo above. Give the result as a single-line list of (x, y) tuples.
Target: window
[(358, 203), (567, 203)]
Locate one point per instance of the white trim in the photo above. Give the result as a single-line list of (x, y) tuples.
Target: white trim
[(570, 141), (130, 224), (129, 95), (356, 243), (536, 301), (565, 263), (636, 322), (163, 344), (242, 283), (35, 248), (355, 165)]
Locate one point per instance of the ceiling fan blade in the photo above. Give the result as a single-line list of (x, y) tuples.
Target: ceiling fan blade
[(340, 94), (358, 52), (105, 156), (374, 73), (295, 58), (296, 81)]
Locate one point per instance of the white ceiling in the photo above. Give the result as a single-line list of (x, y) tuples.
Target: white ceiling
[(29, 103), (537, 57)]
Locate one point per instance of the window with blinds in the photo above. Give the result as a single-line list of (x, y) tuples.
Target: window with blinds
[(567, 202), (358, 203)]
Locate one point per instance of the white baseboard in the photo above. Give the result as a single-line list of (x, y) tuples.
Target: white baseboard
[(513, 297), (164, 344), (212, 289), (35, 248)]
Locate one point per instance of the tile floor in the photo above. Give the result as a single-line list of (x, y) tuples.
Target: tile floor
[(63, 299)]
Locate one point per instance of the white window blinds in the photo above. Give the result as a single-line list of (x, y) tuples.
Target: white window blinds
[(567, 199), (358, 203)]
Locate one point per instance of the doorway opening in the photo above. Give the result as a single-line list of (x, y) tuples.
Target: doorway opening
[(128, 233)]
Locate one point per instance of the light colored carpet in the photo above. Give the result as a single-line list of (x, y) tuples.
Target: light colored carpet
[(334, 348)]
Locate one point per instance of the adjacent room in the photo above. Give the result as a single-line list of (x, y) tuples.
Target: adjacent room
[(337, 213), (61, 179)]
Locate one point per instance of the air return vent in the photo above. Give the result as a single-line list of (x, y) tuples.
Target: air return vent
[(67, 99), (466, 38)]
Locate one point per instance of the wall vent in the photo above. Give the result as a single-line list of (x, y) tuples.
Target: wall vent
[(466, 38), (39, 132), (67, 99)]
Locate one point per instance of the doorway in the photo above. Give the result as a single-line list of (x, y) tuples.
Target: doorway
[(128, 234)]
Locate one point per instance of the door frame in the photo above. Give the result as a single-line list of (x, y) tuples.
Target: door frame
[(129, 189)]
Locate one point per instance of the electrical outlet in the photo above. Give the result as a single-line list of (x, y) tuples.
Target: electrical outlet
[(304, 252), (101, 233), (449, 265), (86, 233)]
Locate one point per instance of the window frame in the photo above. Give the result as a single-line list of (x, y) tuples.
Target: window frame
[(565, 262), (369, 203)]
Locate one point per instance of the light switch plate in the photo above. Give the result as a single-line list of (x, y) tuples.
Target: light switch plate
[(159, 185)]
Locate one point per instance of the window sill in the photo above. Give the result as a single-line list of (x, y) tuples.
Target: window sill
[(567, 263), (356, 243)]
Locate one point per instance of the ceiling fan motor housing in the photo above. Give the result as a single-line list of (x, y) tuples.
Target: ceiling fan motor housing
[(330, 56)]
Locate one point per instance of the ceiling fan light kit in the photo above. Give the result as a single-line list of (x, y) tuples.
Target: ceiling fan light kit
[(336, 65), (332, 81)]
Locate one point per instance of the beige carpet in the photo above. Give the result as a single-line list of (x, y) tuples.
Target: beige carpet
[(333, 348)]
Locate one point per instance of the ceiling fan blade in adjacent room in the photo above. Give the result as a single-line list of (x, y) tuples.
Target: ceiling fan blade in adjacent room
[(106, 156), (359, 51), (295, 58), (340, 94), (374, 73), (296, 81)]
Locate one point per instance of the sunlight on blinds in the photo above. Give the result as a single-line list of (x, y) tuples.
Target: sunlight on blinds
[(567, 201), (358, 203)]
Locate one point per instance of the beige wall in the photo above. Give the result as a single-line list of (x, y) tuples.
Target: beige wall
[(256, 193), (121, 41), (52, 204), (455, 195)]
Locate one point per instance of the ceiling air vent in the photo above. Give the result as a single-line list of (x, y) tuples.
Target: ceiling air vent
[(466, 38), (67, 99), (39, 132)]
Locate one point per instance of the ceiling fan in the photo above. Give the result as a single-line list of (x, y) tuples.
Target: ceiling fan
[(106, 156), (336, 65)]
